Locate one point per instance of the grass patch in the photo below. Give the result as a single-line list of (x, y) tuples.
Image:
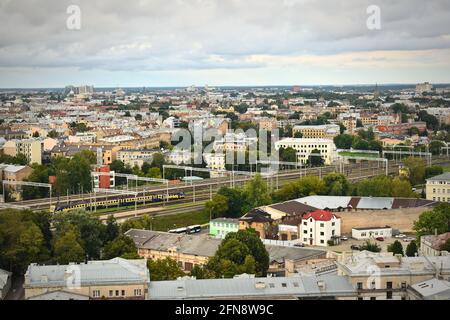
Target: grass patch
[(358, 154), (180, 220), (446, 169)]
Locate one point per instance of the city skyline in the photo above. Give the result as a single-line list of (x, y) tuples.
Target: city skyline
[(223, 43)]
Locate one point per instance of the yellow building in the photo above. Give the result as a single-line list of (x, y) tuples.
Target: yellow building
[(438, 188), (327, 131), (115, 279)]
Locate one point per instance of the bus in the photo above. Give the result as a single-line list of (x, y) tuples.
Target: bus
[(194, 229), (179, 230)]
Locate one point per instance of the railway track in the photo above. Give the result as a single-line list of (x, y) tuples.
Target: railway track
[(351, 171)]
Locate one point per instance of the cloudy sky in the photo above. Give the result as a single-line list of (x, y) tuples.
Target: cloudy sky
[(223, 42)]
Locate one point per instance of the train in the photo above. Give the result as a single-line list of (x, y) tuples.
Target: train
[(115, 201)]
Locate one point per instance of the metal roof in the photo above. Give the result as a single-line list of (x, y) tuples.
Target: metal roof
[(433, 289), (309, 286), (114, 271), (442, 177)]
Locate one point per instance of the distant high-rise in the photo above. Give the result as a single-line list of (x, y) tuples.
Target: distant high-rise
[(84, 89), (424, 87)]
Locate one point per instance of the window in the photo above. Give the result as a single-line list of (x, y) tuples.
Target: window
[(359, 285), (389, 285), (373, 298), (333, 224), (96, 293), (389, 295), (322, 233), (403, 285), (284, 285), (360, 298), (137, 292), (117, 293), (110, 293), (322, 241), (123, 292), (322, 225)]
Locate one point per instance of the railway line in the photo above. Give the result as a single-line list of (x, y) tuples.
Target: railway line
[(353, 172)]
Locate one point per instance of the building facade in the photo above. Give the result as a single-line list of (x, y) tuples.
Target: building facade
[(319, 227), (222, 226), (438, 188), (305, 148)]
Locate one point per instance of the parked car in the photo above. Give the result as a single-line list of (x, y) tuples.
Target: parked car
[(354, 247), (299, 245), (401, 235), (409, 239), (344, 238), (379, 238)]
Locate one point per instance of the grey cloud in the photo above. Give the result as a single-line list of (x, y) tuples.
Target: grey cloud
[(184, 34)]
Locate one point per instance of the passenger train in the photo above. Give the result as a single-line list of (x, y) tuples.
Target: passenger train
[(115, 201)]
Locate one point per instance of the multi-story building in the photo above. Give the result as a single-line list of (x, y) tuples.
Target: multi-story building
[(402, 128), (319, 227), (424, 87), (327, 131), (438, 188), (134, 157), (178, 157), (383, 276), (432, 245), (215, 161), (31, 148), (235, 142), (108, 279), (220, 227), (305, 148)]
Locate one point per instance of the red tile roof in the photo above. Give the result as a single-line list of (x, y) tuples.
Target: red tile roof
[(320, 215)]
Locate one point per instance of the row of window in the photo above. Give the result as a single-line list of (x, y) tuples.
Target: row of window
[(441, 190), (439, 199), (116, 293)]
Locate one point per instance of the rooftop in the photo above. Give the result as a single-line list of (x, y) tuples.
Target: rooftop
[(114, 271), (442, 177), (433, 289), (251, 287)]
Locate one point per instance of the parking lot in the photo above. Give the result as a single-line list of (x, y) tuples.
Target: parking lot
[(346, 245)]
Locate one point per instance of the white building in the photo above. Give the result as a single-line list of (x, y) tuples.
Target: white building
[(215, 161), (178, 157), (318, 227), (305, 147), (372, 232)]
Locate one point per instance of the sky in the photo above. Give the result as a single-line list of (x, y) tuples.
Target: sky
[(155, 43)]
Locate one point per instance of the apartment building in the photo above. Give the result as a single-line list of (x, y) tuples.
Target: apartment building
[(327, 131), (215, 161), (31, 148), (115, 279), (305, 148), (133, 157), (319, 227), (402, 128), (431, 245), (424, 87), (383, 276), (179, 157), (220, 227), (438, 188)]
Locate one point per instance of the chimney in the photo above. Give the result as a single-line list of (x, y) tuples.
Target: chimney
[(321, 285)]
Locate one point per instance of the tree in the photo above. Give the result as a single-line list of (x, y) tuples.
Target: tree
[(67, 248), (298, 135), (411, 249), (158, 161), (288, 154), (416, 168), (343, 141), (306, 186), (433, 171), (235, 201), (138, 117), (315, 159), (446, 246), (395, 248), (337, 184), (436, 220), (164, 269), (240, 252), (256, 193), (217, 206), (435, 147), (36, 134), (112, 229), (90, 229), (122, 246), (369, 246), (52, 134)]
